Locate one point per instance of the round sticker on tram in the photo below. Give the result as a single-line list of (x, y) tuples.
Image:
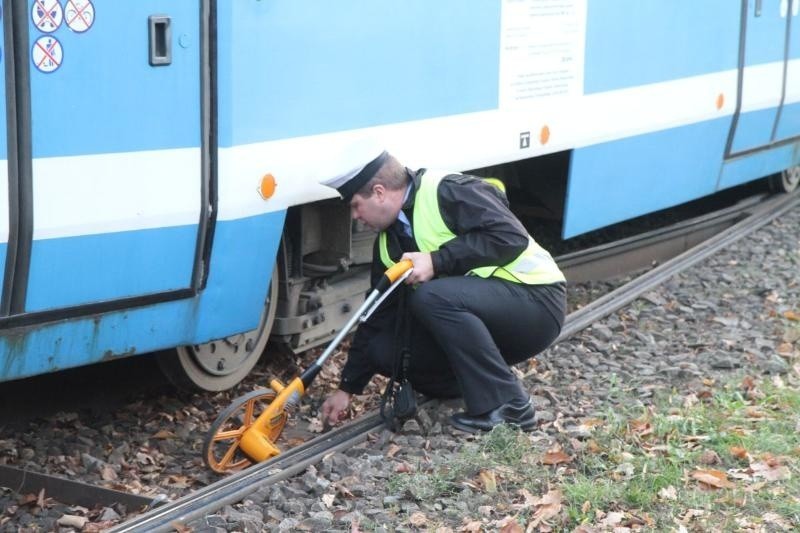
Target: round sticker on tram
[(47, 15), (47, 54), (79, 15)]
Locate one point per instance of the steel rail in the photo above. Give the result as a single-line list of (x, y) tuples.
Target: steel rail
[(763, 214), (235, 487), (645, 249)]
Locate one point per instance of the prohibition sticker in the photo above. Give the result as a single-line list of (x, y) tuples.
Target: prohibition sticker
[(47, 54), (47, 15), (79, 15)]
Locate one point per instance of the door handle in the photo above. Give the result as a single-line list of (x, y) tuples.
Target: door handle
[(160, 40)]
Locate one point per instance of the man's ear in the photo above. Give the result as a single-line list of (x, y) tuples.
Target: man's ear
[(380, 191)]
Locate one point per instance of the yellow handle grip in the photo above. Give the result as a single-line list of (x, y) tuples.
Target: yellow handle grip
[(394, 272)]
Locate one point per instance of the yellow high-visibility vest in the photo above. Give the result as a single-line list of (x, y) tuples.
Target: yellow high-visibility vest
[(534, 266)]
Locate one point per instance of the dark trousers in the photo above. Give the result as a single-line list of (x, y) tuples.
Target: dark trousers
[(465, 333)]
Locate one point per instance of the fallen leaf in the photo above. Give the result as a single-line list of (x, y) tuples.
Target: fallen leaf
[(164, 434), (641, 427), (472, 526), (770, 472), (713, 478), (785, 349), (754, 412), (97, 527), (739, 452), (180, 528), (791, 315), (315, 425), (509, 524), (555, 457), (668, 493), (418, 519), (488, 481), (327, 500), (403, 468), (108, 473), (709, 457), (548, 505), (69, 520), (613, 518), (393, 449)]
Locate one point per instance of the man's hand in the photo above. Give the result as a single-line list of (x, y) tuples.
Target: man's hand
[(335, 407), (423, 267)]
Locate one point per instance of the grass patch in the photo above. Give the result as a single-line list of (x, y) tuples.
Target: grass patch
[(729, 461)]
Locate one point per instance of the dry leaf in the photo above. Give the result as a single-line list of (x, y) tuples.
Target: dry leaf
[(709, 457), (549, 506), (181, 528), (403, 468), (713, 478), (509, 524), (641, 427), (668, 493), (791, 315), (555, 457), (739, 452), (418, 519), (164, 434), (97, 527), (785, 349), (69, 520), (472, 526), (613, 518), (393, 449), (770, 472), (315, 425), (328, 499), (488, 480), (107, 473)]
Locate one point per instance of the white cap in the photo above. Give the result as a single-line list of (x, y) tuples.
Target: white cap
[(353, 166)]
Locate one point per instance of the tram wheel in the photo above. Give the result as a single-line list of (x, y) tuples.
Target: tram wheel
[(221, 451), (221, 364), (786, 181)]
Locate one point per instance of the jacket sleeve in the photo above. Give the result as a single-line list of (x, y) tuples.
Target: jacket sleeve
[(487, 233), (359, 368)]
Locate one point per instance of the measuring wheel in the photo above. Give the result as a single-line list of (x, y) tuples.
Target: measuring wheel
[(221, 447)]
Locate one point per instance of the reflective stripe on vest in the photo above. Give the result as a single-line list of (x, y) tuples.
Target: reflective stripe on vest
[(534, 266)]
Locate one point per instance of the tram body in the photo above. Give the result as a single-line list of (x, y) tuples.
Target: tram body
[(142, 139)]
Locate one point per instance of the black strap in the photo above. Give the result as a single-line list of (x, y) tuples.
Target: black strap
[(398, 401)]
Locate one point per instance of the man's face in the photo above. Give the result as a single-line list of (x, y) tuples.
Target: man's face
[(379, 211)]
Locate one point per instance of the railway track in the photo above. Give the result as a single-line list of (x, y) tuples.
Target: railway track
[(740, 221), (667, 247)]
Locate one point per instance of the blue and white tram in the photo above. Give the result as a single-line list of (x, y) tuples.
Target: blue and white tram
[(161, 159)]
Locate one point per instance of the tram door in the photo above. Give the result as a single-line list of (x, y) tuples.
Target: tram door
[(4, 199), (765, 24), (115, 126), (789, 121)]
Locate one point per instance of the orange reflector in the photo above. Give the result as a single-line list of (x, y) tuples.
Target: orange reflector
[(544, 135), (267, 188), (720, 100)]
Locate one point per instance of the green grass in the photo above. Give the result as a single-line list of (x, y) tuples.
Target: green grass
[(640, 462)]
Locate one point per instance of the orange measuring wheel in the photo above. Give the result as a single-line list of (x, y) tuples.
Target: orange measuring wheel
[(221, 451)]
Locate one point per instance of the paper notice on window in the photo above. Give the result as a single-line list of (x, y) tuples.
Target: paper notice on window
[(541, 50)]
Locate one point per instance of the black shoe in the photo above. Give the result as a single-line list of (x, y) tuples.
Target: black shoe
[(514, 413)]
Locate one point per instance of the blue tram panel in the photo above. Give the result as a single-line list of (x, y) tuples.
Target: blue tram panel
[(145, 225)]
